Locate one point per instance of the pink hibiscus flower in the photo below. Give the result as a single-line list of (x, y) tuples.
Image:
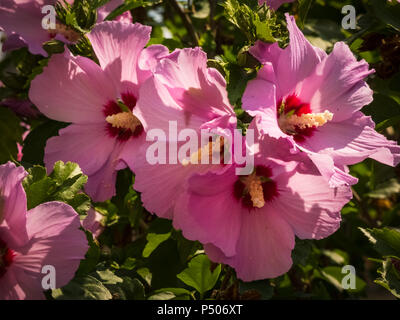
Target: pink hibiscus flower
[(274, 4), (250, 222), (184, 91), (98, 101), (314, 100), (47, 235), (22, 22)]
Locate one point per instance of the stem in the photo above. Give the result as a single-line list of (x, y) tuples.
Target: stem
[(186, 21)]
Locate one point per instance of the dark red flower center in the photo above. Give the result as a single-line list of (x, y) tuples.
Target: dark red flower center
[(254, 190), (295, 118), (6, 257), (121, 123)]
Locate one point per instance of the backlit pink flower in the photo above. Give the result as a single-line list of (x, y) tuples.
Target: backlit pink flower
[(47, 235), (184, 91), (22, 22), (274, 4), (250, 222), (92, 223), (98, 101), (314, 100)]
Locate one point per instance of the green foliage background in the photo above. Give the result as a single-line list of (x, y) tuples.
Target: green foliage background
[(139, 256)]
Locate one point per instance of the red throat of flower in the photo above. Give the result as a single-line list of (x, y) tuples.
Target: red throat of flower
[(296, 118), (6, 257), (120, 121), (254, 190)]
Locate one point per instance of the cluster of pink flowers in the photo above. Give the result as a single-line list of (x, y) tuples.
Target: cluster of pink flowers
[(307, 122), (47, 235)]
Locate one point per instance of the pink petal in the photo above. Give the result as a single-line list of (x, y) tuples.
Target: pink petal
[(87, 145), (353, 140), (156, 109), (150, 56), (197, 89), (97, 154), (342, 93), (101, 185), (92, 223), (12, 205), (159, 194), (25, 19), (55, 240), (206, 212), (297, 61), (16, 285), (312, 209), (335, 176), (258, 96), (263, 249), (71, 90), (118, 46)]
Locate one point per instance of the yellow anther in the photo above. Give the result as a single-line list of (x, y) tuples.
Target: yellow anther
[(205, 154), (253, 185), (306, 120), (124, 120)]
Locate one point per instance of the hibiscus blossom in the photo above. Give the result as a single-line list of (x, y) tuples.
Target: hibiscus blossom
[(98, 101), (47, 235), (250, 222), (314, 100), (184, 92), (22, 22), (274, 4)]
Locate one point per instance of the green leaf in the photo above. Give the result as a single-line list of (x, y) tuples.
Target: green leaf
[(154, 240), (108, 277), (159, 232), (83, 288), (146, 275), (385, 190), (38, 186), (390, 278), (35, 142), (304, 7), (10, 133), (254, 23), (171, 294), (237, 82), (388, 14), (199, 276), (80, 202), (64, 184), (386, 241), (301, 251), (129, 289), (382, 108), (337, 256), (335, 276), (91, 258), (69, 179), (130, 5)]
